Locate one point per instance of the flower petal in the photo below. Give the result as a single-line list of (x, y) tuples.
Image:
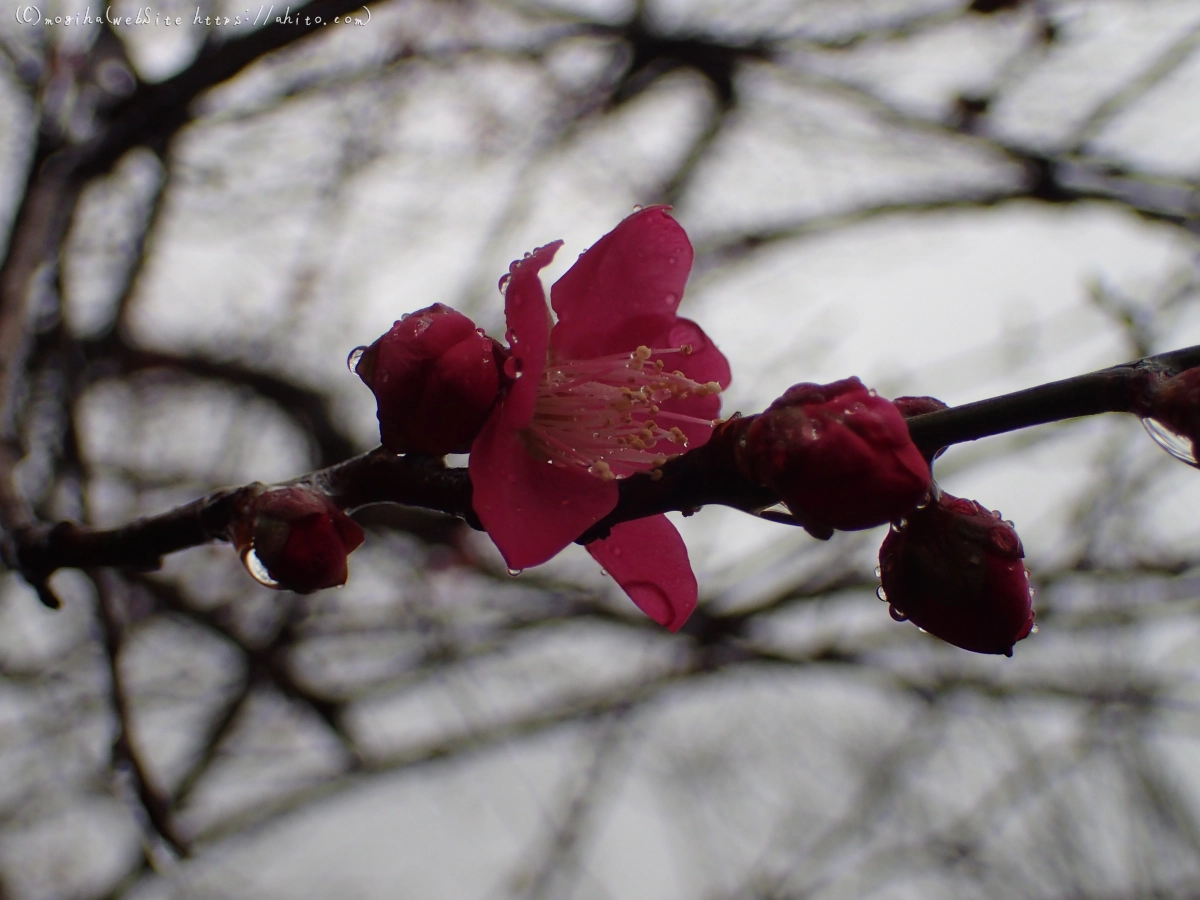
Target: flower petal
[(626, 287), (704, 364), (530, 508), (528, 335), (649, 560)]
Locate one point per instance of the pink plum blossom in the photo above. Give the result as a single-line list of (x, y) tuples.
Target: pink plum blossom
[(618, 385)]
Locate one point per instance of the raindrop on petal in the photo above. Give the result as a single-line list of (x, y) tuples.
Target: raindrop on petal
[(354, 357), (899, 525), (515, 572), (503, 283), (878, 571), (257, 570), (881, 593), (1035, 629), (1177, 445), (637, 207), (897, 615)]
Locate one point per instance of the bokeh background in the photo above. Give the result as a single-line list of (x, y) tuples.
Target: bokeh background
[(939, 197)]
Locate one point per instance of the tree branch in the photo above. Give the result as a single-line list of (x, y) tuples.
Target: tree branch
[(704, 476)]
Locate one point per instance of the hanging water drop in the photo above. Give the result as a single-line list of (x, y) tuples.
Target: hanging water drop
[(515, 572), (897, 614), (637, 207), (878, 571), (881, 593), (1035, 629), (503, 283), (257, 570), (354, 357), (1177, 445)]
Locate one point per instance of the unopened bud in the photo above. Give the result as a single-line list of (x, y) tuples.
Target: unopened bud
[(435, 378), (957, 570), (838, 455)]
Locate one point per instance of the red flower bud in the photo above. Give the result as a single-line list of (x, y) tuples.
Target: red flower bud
[(299, 537), (1171, 414), (838, 454), (435, 378), (957, 570)]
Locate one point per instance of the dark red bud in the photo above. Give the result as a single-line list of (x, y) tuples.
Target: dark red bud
[(957, 570), (299, 537), (839, 455), (435, 378), (1170, 410)]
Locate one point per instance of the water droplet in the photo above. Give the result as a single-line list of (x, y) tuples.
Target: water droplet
[(1035, 629), (503, 283), (604, 572), (897, 615), (670, 299), (257, 570), (900, 525), (354, 357), (637, 207), (512, 367), (1004, 539), (515, 572), (1177, 445), (880, 592)]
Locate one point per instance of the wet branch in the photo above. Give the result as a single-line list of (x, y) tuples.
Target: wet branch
[(704, 476)]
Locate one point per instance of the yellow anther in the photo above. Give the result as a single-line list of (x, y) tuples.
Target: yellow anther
[(685, 349)]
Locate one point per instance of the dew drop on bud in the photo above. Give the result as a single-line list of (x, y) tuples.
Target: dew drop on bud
[(1035, 629), (899, 525), (1177, 445), (515, 572), (503, 283), (354, 357), (878, 571), (897, 615), (512, 367), (881, 593), (257, 570), (637, 207)]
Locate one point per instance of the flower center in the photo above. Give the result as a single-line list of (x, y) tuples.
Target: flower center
[(606, 414)]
